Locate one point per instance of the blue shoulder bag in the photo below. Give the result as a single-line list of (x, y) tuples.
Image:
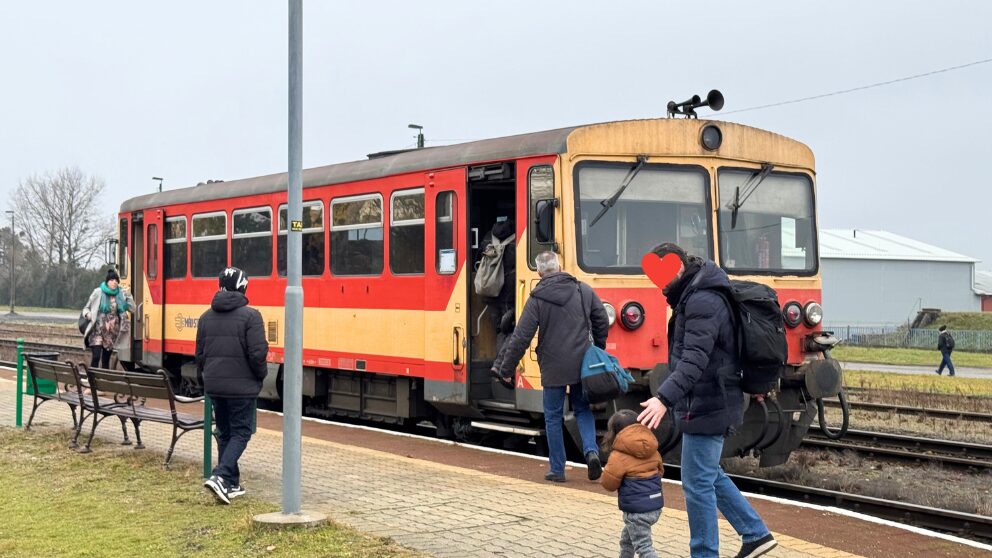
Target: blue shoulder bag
[(603, 379)]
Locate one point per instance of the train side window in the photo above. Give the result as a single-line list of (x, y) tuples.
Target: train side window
[(251, 241), (445, 209), (151, 261), (406, 232), (540, 186), (174, 251), (208, 245), (356, 235), (122, 250), (313, 239)]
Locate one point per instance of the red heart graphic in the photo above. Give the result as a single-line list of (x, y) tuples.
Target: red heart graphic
[(661, 271)]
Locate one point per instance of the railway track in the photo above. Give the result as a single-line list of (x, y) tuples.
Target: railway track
[(8, 350), (976, 527), (902, 447), (914, 411)]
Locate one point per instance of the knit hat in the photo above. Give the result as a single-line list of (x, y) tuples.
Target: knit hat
[(112, 276), (233, 279)]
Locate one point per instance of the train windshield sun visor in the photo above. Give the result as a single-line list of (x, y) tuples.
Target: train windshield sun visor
[(609, 202), (744, 191)]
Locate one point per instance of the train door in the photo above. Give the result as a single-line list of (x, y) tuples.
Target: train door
[(446, 271), (491, 214), (153, 310), (137, 284)]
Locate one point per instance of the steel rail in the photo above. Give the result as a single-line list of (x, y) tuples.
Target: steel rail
[(962, 454), (959, 523), (941, 413)]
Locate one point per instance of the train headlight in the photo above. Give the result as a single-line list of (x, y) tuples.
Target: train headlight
[(711, 137), (793, 314), (611, 312), (632, 316), (813, 313)]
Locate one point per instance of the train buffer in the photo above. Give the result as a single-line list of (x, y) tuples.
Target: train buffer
[(451, 500)]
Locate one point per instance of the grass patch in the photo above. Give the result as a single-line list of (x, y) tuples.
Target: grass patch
[(914, 357), (931, 384), (56, 502), (973, 321)]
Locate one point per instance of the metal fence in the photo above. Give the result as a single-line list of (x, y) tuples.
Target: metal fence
[(894, 336)]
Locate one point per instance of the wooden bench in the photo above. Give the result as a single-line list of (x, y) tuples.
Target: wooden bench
[(70, 389), (133, 389)]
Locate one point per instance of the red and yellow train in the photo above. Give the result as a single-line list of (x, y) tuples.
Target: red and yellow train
[(392, 328)]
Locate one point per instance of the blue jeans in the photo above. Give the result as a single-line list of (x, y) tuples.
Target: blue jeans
[(707, 488), (234, 419), (554, 411), (945, 361)]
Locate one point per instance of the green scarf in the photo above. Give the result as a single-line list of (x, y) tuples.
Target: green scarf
[(105, 299)]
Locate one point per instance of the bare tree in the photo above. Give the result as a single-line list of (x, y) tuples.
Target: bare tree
[(64, 222)]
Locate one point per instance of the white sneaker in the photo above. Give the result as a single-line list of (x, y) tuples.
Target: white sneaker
[(216, 485)]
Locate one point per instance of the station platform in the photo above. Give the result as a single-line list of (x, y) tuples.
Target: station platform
[(451, 500)]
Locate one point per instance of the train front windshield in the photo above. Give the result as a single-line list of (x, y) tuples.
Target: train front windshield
[(773, 231), (662, 203)]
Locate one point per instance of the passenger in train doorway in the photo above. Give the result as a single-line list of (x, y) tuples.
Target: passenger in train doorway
[(702, 343), (501, 307), (230, 358), (109, 313), (945, 344), (556, 313)]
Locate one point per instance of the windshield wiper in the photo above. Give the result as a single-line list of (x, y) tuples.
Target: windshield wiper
[(749, 186), (612, 200)]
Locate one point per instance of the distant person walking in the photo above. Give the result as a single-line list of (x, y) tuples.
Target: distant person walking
[(634, 470), (707, 404), (945, 344), (230, 358), (557, 311), (109, 312)]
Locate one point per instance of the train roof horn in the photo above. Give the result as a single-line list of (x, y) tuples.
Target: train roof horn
[(714, 100)]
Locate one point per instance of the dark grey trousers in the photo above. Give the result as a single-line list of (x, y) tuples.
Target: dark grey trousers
[(636, 535)]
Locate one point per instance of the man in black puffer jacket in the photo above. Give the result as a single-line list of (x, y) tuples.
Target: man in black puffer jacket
[(230, 358), (705, 394), (560, 311)]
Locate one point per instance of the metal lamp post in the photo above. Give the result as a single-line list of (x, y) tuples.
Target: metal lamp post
[(292, 436), (159, 182), (12, 251)]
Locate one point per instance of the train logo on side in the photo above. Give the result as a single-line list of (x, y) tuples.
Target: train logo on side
[(183, 322)]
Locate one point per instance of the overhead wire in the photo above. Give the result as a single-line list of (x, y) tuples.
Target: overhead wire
[(861, 88)]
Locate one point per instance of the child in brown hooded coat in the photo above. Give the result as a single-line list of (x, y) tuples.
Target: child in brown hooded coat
[(634, 469)]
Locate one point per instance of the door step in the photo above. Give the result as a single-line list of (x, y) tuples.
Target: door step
[(497, 404), (509, 429)]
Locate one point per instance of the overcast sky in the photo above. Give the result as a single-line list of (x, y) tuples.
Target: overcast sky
[(192, 91)]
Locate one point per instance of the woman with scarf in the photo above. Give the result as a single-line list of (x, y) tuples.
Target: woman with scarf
[(108, 310)]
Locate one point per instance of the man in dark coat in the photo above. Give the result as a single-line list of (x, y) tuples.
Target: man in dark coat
[(230, 358), (561, 310), (704, 391), (945, 344)]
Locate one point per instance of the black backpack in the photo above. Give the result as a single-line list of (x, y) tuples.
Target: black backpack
[(950, 342), (761, 346)]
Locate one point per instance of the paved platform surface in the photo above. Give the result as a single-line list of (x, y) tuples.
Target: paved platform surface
[(440, 509)]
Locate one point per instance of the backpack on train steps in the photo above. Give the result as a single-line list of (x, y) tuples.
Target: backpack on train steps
[(762, 349), (489, 270)]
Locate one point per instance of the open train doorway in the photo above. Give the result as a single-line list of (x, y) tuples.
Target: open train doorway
[(491, 209)]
